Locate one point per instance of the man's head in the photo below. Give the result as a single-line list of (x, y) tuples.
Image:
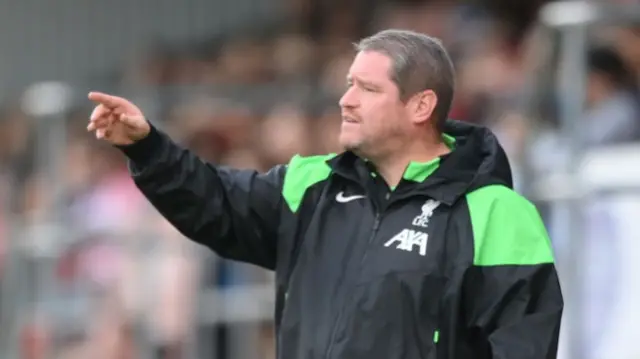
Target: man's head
[(400, 88), (607, 74)]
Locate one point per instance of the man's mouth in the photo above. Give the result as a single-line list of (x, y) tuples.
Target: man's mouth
[(349, 119)]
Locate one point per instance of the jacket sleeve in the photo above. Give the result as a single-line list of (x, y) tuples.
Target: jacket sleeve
[(233, 212), (512, 296)]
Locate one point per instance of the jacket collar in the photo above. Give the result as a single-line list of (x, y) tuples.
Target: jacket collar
[(476, 160), (419, 179)]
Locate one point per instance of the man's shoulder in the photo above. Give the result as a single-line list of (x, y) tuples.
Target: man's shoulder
[(507, 228), (313, 162), (302, 173), (500, 196)]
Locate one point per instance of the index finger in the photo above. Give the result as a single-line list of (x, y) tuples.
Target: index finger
[(99, 112), (108, 100)]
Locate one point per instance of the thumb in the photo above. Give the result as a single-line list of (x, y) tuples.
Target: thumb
[(132, 121)]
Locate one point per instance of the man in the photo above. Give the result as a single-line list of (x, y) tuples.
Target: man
[(410, 244)]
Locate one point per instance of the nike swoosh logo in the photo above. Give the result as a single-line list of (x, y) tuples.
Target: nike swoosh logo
[(342, 199)]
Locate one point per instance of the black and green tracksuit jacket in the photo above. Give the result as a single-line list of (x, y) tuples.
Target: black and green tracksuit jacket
[(451, 263)]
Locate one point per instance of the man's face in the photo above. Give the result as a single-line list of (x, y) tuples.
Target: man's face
[(373, 114)]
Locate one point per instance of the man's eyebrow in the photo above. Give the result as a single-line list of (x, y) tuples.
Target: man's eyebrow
[(361, 81)]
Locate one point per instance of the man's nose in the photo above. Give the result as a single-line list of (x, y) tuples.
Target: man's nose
[(349, 98)]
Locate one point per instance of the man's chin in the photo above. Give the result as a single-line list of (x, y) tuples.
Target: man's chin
[(352, 147), (349, 145)]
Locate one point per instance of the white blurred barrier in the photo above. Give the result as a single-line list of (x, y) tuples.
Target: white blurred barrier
[(607, 187), (610, 169), (607, 178)]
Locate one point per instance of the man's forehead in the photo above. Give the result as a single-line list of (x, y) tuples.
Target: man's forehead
[(370, 64)]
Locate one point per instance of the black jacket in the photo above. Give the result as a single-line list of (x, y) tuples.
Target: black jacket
[(450, 264)]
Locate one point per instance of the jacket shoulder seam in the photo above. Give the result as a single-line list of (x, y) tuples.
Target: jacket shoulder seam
[(507, 229), (302, 173)]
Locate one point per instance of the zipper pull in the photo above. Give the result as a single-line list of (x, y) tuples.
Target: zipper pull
[(376, 223)]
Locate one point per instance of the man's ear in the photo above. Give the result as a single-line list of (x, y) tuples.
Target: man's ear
[(423, 105)]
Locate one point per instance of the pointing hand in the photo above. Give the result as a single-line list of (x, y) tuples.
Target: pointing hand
[(117, 120)]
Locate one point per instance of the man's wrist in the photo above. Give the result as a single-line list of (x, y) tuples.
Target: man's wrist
[(142, 150)]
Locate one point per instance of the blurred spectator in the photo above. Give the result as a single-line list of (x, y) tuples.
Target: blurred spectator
[(627, 42), (283, 133), (612, 99)]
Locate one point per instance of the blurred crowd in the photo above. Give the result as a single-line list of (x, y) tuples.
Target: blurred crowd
[(252, 99)]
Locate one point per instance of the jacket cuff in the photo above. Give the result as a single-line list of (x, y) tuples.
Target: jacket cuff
[(143, 150)]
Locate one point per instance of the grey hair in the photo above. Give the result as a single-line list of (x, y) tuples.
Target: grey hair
[(419, 62)]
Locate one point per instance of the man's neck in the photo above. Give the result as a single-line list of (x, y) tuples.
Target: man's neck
[(393, 166)]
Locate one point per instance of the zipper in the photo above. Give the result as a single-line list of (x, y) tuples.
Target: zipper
[(334, 331), (376, 226)]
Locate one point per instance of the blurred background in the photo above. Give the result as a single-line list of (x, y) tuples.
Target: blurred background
[(89, 270)]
